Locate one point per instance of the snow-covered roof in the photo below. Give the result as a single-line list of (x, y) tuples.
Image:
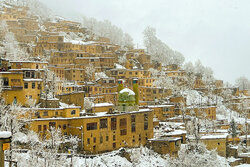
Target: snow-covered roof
[(78, 42), (157, 106), (129, 91), (32, 80), (64, 105), (176, 132), (99, 114), (118, 66), (28, 61), (223, 136), (5, 134), (166, 139), (102, 104)]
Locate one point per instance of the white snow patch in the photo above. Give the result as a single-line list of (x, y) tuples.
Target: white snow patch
[(5, 134)]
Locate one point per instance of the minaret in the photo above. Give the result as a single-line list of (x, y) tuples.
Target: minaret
[(120, 85), (136, 90)]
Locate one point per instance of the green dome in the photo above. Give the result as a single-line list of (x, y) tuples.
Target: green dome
[(126, 95)]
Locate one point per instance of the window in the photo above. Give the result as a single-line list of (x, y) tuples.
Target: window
[(26, 85), (32, 74), (133, 118), (114, 145), (107, 138), (44, 127), (39, 128), (123, 123), (37, 114), (92, 126), (145, 117), (123, 132), (33, 85), (38, 86), (94, 139), (133, 127), (101, 139), (113, 137), (45, 113), (64, 126), (145, 125), (88, 140), (73, 112), (113, 123), (27, 74), (5, 82), (103, 123), (52, 124), (15, 100)]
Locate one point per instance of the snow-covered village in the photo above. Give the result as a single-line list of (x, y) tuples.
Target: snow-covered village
[(82, 93)]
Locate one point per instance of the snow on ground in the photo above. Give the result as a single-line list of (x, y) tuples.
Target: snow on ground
[(139, 157), (102, 161)]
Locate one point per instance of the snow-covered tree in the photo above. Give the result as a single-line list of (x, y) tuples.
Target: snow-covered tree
[(73, 142), (189, 68), (88, 103), (3, 29), (11, 48), (107, 29), (197, 157), (10, 121), (163, 82), (122, 59), (243, 83), (128, 41), (159, 50), (50, 84), (233, 129), (90, 70), (199, 68), (154, 72)]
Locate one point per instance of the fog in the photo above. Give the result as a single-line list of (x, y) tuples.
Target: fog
[(214, 31)]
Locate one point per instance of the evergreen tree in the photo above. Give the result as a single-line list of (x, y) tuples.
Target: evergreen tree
[(233, 129)]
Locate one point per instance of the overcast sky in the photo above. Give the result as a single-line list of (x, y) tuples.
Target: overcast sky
[(215, 31)]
